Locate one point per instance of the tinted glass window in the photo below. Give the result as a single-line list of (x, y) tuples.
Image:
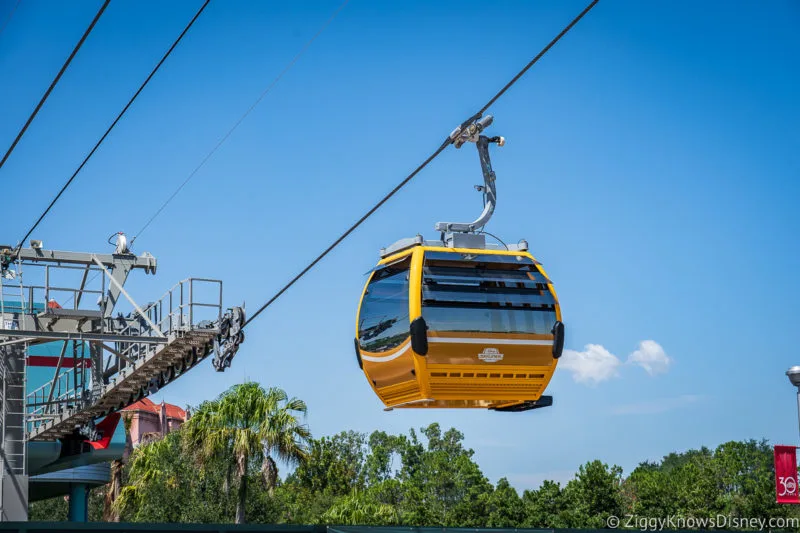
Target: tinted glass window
[(383, 320), (486, 293)]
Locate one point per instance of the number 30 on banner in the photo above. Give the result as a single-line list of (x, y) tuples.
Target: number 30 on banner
[(786, 475), (788, 486)]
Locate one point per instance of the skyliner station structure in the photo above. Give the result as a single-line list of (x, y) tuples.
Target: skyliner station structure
[(75, 348)]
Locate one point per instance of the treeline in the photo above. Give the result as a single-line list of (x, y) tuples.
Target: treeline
[(425, 478)]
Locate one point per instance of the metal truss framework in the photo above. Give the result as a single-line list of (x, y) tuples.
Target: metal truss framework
[(106, 361)]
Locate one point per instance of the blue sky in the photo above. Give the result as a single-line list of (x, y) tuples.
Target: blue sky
[(652, 163)]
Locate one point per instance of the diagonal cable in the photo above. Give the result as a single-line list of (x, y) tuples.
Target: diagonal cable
[(425, 163), (238, 122), (8, 18), (55, 80), (111, 127)]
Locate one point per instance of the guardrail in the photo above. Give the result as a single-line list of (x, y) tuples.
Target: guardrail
[(189, 304), (181, 305)]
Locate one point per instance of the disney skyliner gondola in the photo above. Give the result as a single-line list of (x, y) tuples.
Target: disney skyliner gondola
[(459, 322)]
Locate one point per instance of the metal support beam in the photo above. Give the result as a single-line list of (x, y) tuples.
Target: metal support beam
[(78, 503), (96, 354), (58, 369), (145, 261), (13, 478), (15, 341), (78, 297), (128, 296), (117, 353), (31, 335)]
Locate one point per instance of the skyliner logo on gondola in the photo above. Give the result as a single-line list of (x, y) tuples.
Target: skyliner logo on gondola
[(490, 355)]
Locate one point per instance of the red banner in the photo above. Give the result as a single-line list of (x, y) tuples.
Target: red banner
[(786, 474)]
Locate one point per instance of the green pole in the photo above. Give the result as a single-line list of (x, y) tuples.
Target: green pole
[(78, 503)]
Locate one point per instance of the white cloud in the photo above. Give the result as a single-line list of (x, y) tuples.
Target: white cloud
[(593, 365), (657, 406), (652, 357), (596, 364)]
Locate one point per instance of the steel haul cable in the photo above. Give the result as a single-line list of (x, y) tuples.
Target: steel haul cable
[(111, 127), (425, 163), (55, 80)]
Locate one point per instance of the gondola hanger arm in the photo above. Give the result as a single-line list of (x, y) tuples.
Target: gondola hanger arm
[(471, 132)]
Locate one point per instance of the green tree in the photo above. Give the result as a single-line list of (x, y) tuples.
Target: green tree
[(249, 425), (441, 484), (651, 491), (51, 509), (157, 484), (545, 507), (737, 479), (676, 460), (503, 506), (361, 508), (56, 509), (335, 464), (300, 505), (745, 473), (334, 469), (383, 449), (594, 495)]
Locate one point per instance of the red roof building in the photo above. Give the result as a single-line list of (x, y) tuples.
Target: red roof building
[(150, 421)]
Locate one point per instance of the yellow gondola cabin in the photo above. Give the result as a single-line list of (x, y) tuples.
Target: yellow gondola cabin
[(459, 323), (450, 327)]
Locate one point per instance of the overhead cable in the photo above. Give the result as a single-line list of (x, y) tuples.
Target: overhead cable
[(425, 163), (111, 127), (55, 80)]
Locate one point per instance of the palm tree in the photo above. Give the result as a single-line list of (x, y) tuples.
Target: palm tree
[(250, 425)]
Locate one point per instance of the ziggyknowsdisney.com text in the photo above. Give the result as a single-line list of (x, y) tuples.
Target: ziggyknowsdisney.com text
[(649, 523)]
